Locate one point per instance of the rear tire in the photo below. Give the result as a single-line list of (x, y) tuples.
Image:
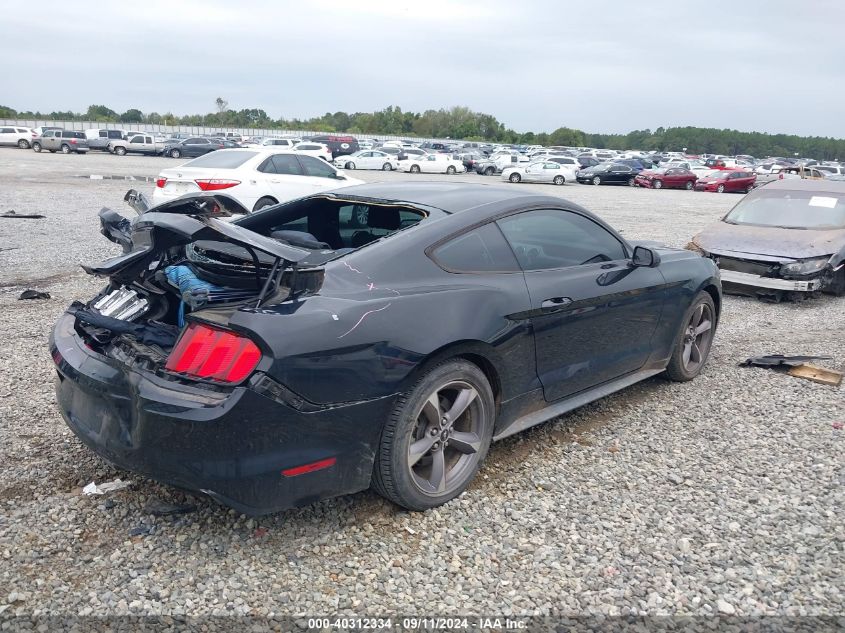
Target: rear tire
[(387, 167), (454, 447), (559, 180), (489, 171), (415, 169), (451, 170), (23, 144), (693, 342), (36, 147), (350, 165), (65, 149), (264, 202), (514, 177)]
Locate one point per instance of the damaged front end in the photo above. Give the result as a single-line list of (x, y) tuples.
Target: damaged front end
[(775, 278)]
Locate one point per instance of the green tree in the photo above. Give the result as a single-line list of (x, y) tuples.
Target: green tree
[(133, 115), (100, 113)]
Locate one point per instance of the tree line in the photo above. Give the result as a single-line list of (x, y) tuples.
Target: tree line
[(462, 123)]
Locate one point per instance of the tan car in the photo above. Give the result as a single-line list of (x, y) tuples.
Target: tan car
[(66, 141)]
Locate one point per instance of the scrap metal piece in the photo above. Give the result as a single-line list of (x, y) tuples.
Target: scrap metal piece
[(778, 360), (22, 216)]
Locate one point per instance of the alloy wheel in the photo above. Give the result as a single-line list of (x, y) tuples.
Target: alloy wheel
[(698, 336), (444, 446)]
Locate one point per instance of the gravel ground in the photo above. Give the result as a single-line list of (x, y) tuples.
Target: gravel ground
[(723, 495)]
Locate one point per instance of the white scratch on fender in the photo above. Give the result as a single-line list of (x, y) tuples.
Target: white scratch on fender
[(334, 316), (355, 270), (363, 316)]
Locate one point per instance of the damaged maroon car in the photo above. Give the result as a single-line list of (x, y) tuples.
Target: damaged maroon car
[(783, 240)]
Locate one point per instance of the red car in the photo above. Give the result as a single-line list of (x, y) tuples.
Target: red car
[(728, 180), (669, 178)]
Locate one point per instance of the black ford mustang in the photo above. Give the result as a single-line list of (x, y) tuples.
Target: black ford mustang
[(382, 335)]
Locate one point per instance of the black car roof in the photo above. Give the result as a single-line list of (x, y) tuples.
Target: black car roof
[(449, 197)]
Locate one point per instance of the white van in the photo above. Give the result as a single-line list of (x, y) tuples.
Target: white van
[(100, 138)]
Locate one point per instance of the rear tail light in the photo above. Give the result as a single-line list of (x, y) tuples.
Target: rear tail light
[(213, 354), (73, 141), (215, 184), (160, 182)]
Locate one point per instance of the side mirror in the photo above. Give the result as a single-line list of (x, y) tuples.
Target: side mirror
[(645, 257)]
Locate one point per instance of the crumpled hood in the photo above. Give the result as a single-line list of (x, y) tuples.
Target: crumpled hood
[(733, 239)]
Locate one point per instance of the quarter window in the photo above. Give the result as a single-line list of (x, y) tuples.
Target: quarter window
[(549, 239), (481, 250)]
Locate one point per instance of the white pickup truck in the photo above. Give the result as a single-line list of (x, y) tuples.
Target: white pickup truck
[(137, 144)]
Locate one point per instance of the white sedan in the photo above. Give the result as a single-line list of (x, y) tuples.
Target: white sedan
[(317, 150), (256, 178), (541, 171), (367, 159), (434, 164)]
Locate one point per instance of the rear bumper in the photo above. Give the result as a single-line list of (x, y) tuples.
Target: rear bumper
[(231, 445), (756, 281)]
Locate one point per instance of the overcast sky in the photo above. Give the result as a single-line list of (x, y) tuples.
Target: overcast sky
[(596, 65)]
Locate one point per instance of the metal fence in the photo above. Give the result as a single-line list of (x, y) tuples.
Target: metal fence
[(193, 130)]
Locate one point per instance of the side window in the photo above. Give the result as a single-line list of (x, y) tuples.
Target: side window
[(7, 130), (103, 134), (549, 239), (315, 167), (137, 139), (481, 250), (113, 134), (286, 164), (148, 140)]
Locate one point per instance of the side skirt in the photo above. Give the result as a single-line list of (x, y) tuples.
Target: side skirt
[(573, 402)]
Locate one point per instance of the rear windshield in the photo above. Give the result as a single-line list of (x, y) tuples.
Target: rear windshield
[(817, 210), (222, 160)]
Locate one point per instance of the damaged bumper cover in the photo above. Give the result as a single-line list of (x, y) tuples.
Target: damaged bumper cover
[(231, 444), (774, 283)]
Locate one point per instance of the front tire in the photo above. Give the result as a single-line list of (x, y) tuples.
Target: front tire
[(689, 185), (514, 177), (489, 171), (36, 147), (350, 165), (657, 184), (175, 153), (436, 437), (694, 340), (721, 188), (415, 169), (597, 180), (837, 287), (120, 151), (631, 182)]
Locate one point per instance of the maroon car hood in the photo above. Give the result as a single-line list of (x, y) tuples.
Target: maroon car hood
[(742, 239)]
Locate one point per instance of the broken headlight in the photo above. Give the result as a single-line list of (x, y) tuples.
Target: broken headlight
[(805, 267)]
